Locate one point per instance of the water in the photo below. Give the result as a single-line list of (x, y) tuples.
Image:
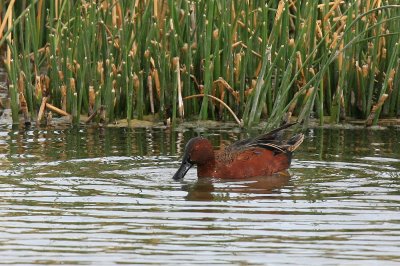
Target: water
[(106, 196)]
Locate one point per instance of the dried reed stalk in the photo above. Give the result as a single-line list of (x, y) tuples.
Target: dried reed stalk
[(56, 110), (41, 110), (240, 123), (7, 15), (150, 87), (379, 104), (178, 76)]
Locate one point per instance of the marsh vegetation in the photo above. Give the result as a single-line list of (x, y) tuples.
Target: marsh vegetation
[(206, 59)]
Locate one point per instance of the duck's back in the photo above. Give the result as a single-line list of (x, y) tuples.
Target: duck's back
[(260, 156)]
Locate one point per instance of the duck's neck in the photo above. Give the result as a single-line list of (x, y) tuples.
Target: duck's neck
[(206, 169)]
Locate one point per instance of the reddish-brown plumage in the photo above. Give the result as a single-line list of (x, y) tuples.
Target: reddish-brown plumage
[(260, 156)]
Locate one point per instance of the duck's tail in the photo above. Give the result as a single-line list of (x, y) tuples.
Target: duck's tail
[(294, 142)]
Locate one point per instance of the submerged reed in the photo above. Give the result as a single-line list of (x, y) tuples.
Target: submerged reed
[(266, 60)]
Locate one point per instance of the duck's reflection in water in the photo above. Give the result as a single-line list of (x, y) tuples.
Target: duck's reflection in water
[(211, 189)]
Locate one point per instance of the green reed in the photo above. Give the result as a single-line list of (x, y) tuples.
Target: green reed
[(267, 60)]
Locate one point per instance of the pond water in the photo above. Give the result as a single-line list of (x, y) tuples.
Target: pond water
[(105, 196)]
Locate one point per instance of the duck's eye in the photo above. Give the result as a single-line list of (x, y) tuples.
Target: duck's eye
[(190, 161)]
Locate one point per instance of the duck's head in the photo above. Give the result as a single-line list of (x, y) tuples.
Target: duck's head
[(198, 151)]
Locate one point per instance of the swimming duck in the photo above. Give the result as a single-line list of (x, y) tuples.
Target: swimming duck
[(263, 155)]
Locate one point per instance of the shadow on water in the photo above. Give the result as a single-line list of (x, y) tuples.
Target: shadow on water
[(106, 196)]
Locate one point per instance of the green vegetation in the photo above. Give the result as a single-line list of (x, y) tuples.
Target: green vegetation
[(266, 60)]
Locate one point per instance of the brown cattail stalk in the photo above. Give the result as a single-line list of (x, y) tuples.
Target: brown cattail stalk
[(150, 87), (340, 56), (157, 82), (92, 99), (390, 80), (55, 109), (64, 97), (226, 86), (299, 63), (9, 20), (236, 66), (236, 44), (380, 102), (178, 76), (155, 8), (22, 102), (56, 9), (320, 6), (279, 10), (39, 15), (136, 82), (114, 13), (7, 17), (41, 110), (332, 10)]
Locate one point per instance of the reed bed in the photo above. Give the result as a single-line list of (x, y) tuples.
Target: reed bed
[(223, 60)]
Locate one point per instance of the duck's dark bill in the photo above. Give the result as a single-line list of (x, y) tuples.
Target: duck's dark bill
[(185, 166)]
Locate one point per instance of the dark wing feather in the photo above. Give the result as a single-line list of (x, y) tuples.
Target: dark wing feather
[(271, 141)]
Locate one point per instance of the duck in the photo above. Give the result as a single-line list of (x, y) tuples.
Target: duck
[(263, 155)]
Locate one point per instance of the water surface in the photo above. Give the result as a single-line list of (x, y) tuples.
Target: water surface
[(106, 196)]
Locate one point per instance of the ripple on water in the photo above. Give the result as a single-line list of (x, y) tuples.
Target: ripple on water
[(118, 204)]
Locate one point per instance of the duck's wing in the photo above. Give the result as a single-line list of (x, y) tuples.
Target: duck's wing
[(271, 141)]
